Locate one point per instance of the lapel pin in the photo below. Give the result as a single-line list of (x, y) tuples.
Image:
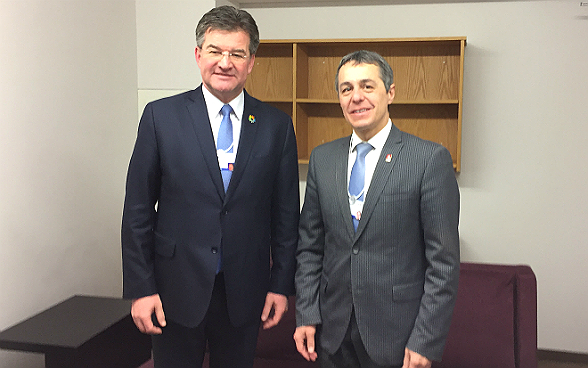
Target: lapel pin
[(388, 158), (251, 119)]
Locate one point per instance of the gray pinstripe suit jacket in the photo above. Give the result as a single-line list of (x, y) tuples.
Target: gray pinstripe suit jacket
[(400, 270)]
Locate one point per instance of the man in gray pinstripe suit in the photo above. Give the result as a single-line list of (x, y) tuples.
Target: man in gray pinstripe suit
[(378, 268)]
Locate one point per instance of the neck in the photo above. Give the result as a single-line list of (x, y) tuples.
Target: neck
[(224, 97)]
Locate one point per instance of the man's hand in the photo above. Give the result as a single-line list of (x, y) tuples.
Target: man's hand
[(279, 304), (143, 309), (304, 338), (415, 360)]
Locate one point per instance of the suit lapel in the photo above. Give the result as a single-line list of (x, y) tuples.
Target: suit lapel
[(384, 166), (199, 114), (246, 142), (341, 161)]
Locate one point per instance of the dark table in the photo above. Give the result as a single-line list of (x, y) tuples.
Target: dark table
[(82, 332)]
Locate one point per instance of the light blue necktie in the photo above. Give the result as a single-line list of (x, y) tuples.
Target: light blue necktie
[(357, 178), (224, 141)]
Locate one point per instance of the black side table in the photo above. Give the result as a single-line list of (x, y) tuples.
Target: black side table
[(82, 332)]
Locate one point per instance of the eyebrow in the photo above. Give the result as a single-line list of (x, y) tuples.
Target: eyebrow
[(361, 81), (211, 46), (367, 80)]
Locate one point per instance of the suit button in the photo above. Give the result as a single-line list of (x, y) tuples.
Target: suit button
[(214, 250), (355, 250)]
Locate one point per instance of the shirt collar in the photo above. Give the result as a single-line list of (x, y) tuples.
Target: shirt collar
[(214, 105), (377, 141)]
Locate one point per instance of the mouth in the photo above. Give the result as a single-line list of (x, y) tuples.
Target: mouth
[(359, 111), (221, 73)]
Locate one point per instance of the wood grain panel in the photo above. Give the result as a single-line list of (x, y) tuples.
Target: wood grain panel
[(437, 123), (322, 66), (301, 72), (423, 71), (320, 123), (427, 73), (271, 78)]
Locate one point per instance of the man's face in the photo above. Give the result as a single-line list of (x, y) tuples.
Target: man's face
[(224, 62), (364, 98)]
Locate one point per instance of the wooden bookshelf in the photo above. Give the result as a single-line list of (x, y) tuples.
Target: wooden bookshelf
[(298, 77)]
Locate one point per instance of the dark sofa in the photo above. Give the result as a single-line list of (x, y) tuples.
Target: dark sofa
[(494, 324), (495, 319)]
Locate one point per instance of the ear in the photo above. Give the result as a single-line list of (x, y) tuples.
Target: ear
[(197, 54), (391, 93)]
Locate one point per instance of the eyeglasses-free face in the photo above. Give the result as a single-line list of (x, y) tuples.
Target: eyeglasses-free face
[(224, 62), (364, 98)]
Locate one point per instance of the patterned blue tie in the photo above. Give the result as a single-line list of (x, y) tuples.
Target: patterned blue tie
[(357, 178), (224, 141)]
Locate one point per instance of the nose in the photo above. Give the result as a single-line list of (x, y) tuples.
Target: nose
[(357, 95), (225, 60)]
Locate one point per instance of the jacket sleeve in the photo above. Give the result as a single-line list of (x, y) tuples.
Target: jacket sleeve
[(440, 219), (285, 215), (139, 213), (309, 254)]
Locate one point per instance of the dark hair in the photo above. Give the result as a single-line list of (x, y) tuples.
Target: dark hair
[(367, 57), (228, 18)]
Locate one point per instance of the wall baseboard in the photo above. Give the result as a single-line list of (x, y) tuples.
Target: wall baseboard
[(562, 356)]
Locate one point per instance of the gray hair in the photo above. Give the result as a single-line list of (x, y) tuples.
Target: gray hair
[(228, 18), (367, 57)]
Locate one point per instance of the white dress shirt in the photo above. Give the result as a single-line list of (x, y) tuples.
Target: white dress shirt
[(371, 159), (214, 106)]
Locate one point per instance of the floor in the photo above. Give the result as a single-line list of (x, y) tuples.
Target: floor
[(542, 364), (553, 364)]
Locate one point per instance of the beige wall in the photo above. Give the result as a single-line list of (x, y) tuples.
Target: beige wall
[(68, 97), (166, 44)]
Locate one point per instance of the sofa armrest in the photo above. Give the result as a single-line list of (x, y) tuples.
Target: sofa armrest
[(495, 318), (526, 321)]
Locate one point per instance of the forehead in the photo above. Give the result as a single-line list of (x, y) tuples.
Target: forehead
[(354, 73), (226, 39)]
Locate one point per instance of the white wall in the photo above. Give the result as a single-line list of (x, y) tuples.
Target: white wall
[(68, 97), (524, 125), (166, 42)]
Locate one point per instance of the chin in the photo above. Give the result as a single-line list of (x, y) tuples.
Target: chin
[(360, 125), (221, 87)]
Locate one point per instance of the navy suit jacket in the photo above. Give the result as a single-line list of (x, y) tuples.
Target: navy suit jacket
[(177, 216)]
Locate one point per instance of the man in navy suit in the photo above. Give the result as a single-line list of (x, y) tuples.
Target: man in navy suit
[(211, 197), (378, 257)]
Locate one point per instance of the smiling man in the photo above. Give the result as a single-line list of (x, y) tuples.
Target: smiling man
[(212, 191), (378, 255)]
